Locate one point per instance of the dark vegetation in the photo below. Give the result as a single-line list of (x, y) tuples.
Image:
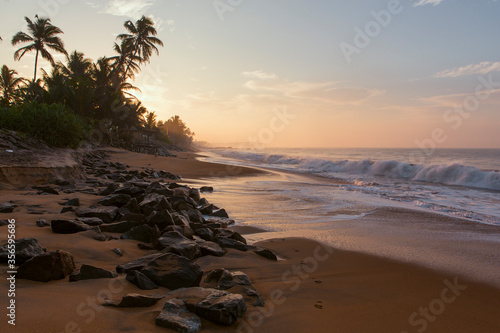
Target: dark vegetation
[(80, 99)]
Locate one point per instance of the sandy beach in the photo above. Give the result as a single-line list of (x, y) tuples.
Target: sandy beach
[(312, 288)]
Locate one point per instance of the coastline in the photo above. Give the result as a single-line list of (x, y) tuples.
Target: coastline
[(313, 288)]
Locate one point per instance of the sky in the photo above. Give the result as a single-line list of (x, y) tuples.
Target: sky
[(301, 73)]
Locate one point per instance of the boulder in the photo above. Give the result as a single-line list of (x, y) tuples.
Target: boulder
[(46, 190), (117, 200), (161, 219), (138, 264), (266, 253), (26, 248), (132, 191), (206, 189), (174, 242), (180, 219), (226, 233), (194, 194), (107, 213), (88, 272), (109, 189), (195, 215), (42, 223), (220, 213), (133, 206), (229, 279), (158, 188), (67, 209), (177, 317), (68, 226), (173, 271), (71, 202), (210, 248), (91, 221), (141, 280), (7, 207), (184, 230), (205, 233), (217, 306), (231, 243), (139, 218), (142, 233), (49, 266), (134, 301), (122, 226)]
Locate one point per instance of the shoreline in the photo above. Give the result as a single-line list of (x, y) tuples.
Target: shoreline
[(319, 287)]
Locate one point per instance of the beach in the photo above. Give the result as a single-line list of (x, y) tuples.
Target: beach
[(395, 270)]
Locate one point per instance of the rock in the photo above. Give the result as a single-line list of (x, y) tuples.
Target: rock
[(184, 230), (224, 222), (142, 233), (133, 206), (122, 226), (177, 317), (174, 242), (180, 219), (134, 301), (4, 222), (141, 280), (217, 306), (250, 291), (67, 226), (266, 253), (226, 233), (109, 189), (205, 233), (49, 266), (173, 271), (7, 207), (145, 247), (71, 202), (154, 201), (231, 243), (67, 209), (88, 272), (161, 219), (220, 213), (106, 214), (91, 221), (117, 200), (138, 264), (194, 194), (195, 216), (118, 251), (61, 182), (132, 191), (42, 223), (46, 190), (229, 279), (157, 188), (139, 218), (210, 248), (206, 189), (26, 248)]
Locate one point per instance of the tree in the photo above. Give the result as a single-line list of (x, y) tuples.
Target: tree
[(9, 83), (177, 131), (150, 119), (139, 42), (43, 36)]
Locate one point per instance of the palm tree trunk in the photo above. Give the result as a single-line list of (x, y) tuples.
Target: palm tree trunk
[(36, 64), (130, 62)]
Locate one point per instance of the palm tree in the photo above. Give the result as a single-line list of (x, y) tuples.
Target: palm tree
[(43, 36), (9, 83), (120, 61), (140, 40)]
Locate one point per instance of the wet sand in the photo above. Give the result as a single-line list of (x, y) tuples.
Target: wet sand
[(313, 288)]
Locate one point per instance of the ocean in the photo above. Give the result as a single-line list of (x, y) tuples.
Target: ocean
[(463, 183)]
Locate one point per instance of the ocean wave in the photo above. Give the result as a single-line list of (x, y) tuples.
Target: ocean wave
[(449, 174)]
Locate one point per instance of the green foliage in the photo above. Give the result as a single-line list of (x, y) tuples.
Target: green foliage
[(55, 124)]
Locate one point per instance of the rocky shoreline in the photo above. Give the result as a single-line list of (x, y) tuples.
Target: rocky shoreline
[(172, 223)]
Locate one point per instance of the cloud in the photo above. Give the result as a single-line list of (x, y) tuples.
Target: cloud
[(260, 74), (329, 92), (427, 2), (484, 67), (128, 8)]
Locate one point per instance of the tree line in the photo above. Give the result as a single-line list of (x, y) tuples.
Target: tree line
[(99, 93)]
